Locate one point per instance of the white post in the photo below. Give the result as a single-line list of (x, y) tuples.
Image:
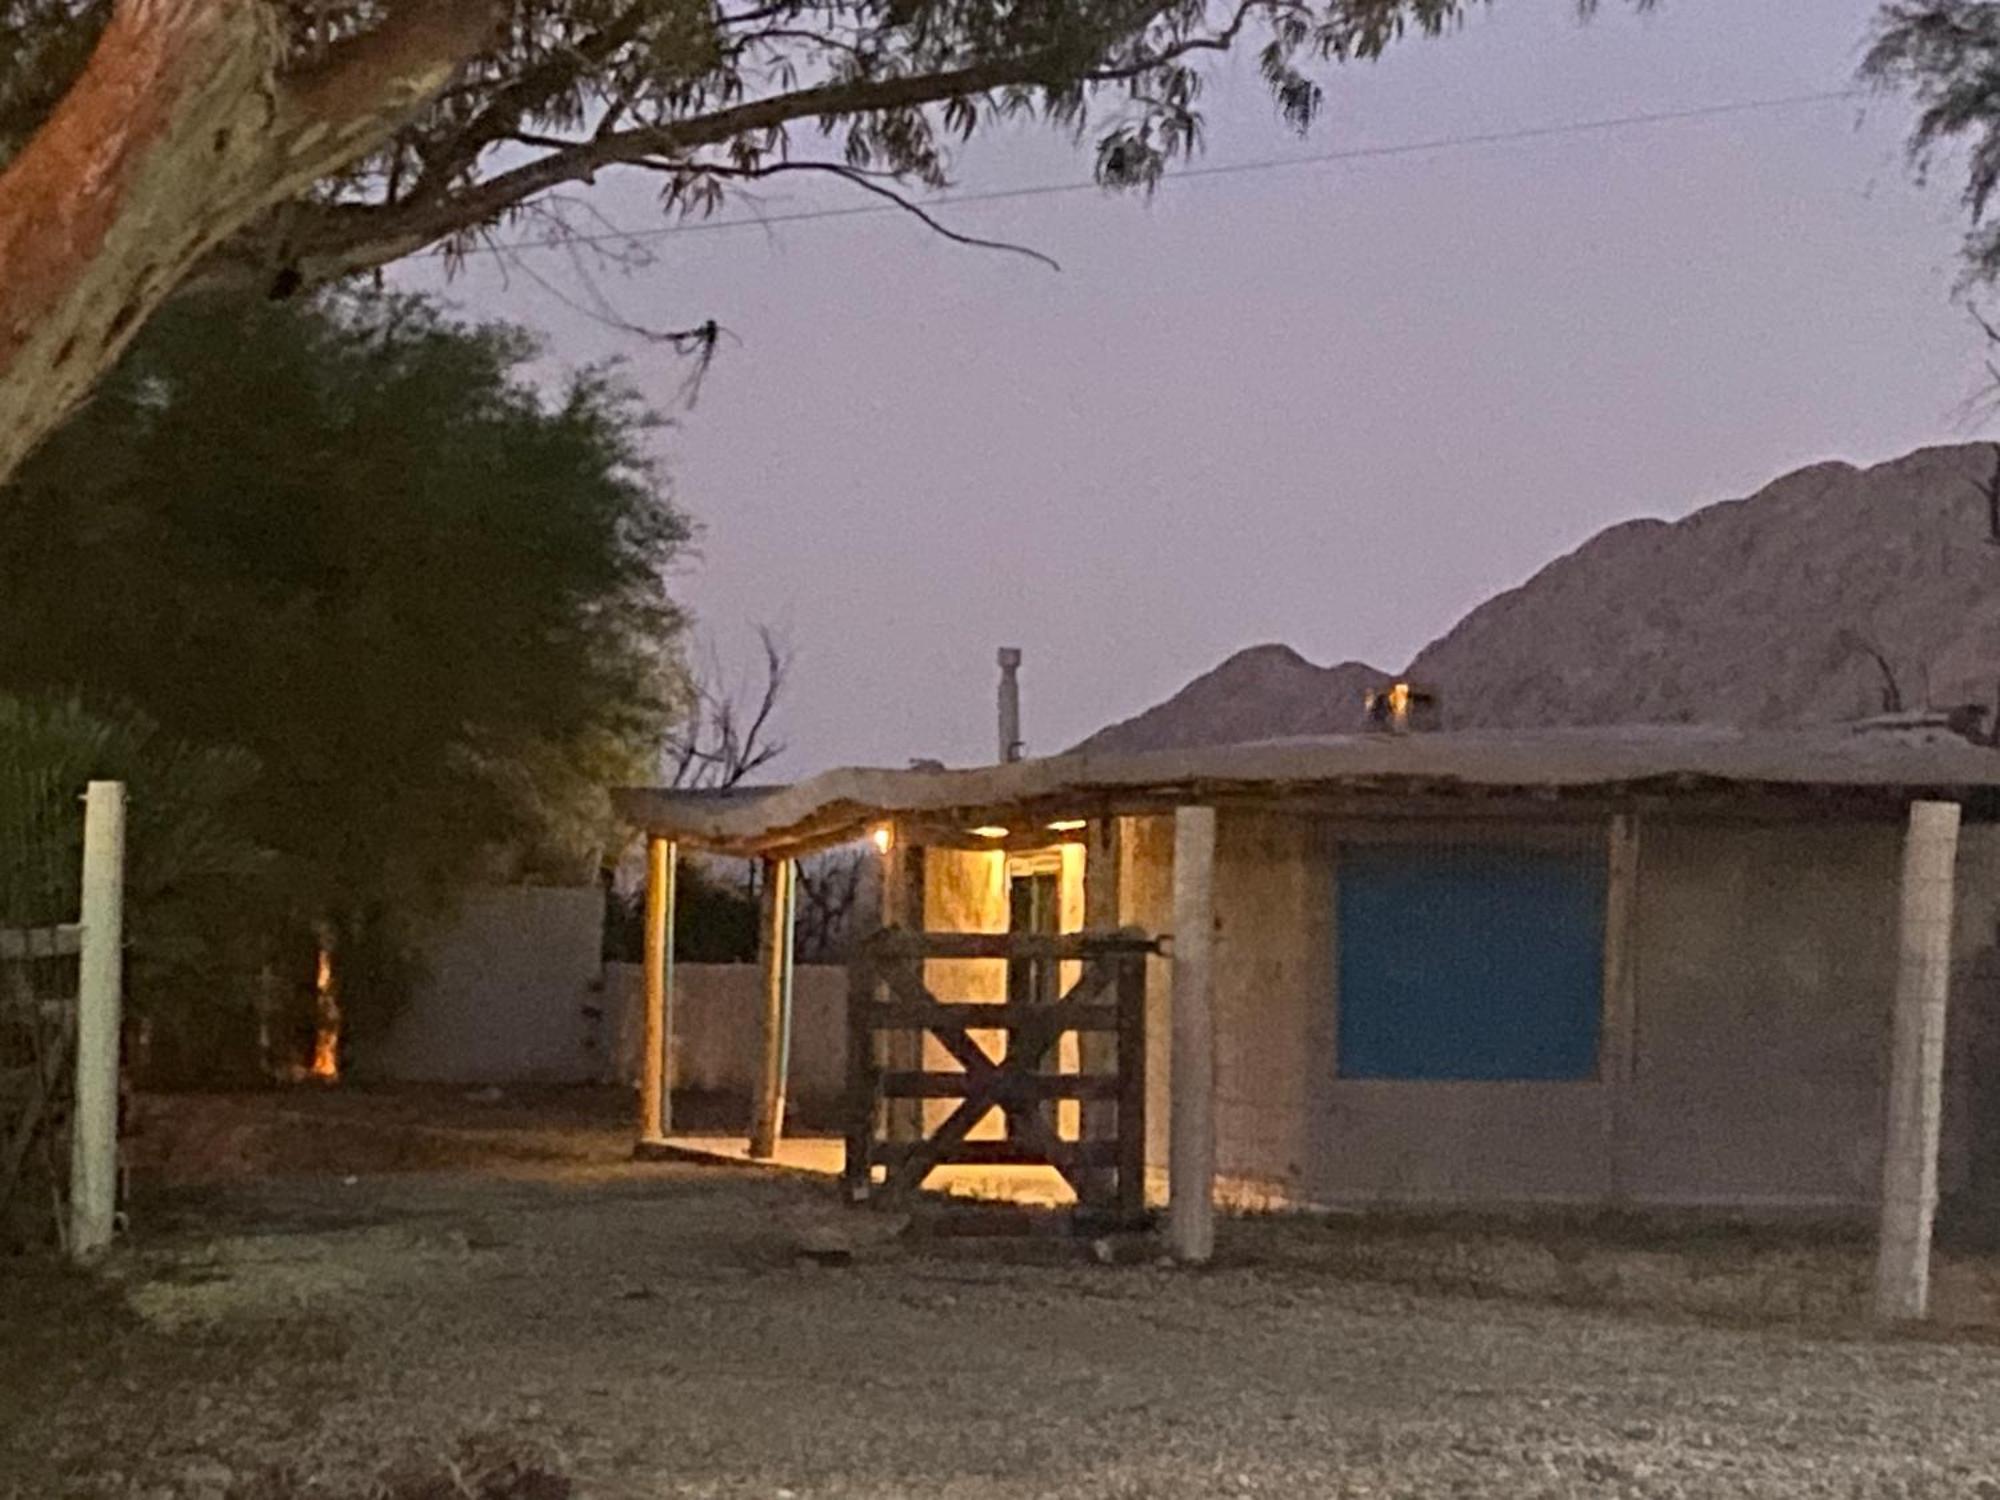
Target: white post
[(93, 1170), (1910, 1145), (1191, 1158)]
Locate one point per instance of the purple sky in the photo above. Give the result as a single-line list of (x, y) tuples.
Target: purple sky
[(1333, 405)]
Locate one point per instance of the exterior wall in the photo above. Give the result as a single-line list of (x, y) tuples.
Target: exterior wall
[(1146, 901), (1288, 1128), (1969, 1152), (718, 1044), (965, 890), (719, 1029), (1766, 963), (1764, 967), (505, 996)]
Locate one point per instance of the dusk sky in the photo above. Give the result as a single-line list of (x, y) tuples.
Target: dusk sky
[(1333, 405)]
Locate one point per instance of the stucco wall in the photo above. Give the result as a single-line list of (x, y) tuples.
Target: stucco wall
[(1288, 1127), (1764, 971), (1767, 962), (718, 1039), (504, 996), (966, 891), (1146, 901)]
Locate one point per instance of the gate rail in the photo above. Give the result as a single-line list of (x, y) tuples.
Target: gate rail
[(888, 998)]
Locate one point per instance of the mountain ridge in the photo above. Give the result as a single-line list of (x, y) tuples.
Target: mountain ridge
[(1833, 592)]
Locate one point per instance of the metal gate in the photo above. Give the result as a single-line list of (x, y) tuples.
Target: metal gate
[(890, 1009)]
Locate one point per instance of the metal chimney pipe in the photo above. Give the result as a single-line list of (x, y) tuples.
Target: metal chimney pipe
[(1010, 704)]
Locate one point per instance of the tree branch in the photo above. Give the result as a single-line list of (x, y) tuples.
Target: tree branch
[(862, 180), (375, 80), (339, 240), (508, 106)]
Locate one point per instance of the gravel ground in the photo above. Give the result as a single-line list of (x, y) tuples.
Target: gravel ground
[(518, 1329)]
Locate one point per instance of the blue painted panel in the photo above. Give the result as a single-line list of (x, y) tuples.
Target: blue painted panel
[(1469, 963)]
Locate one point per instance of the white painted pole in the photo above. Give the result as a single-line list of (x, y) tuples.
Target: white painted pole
[(1191, 1159), (93, 1172), (1910, 1145)]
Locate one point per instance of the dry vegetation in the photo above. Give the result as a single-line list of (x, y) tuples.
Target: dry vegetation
[(484, 1300)]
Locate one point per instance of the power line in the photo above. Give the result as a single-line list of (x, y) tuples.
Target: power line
[(1224, 169)]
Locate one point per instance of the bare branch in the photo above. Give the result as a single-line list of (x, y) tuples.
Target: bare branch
[(862, 180), (717, 747)]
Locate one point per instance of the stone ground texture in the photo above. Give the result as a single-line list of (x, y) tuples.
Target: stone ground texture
[(533, 1324)]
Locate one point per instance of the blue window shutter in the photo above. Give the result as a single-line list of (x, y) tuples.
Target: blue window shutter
[(1469, 962)]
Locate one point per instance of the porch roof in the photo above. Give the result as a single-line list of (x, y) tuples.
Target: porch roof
[(1867, 767)]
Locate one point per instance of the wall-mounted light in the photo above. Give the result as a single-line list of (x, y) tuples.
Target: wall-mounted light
[(883, 838), (989, 831), (1069, 825)]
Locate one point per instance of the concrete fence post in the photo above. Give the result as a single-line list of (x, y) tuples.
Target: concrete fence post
[(93, 1173), (1191, 1150), (1916, 1072)]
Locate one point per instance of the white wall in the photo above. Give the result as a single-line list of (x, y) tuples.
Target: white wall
[(717, 1044), (1765, 960), (505, 996)]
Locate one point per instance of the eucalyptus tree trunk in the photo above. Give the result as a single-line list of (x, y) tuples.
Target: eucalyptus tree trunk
[(187, 123)]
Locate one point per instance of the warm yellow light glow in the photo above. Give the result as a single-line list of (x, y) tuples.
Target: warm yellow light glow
[(1069, 825), (883, 837), (989, 831), (326, 1022), (1399, 699)]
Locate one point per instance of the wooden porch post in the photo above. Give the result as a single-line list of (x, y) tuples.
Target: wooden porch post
[(1098, 1051), (1191, 1159), (656, 1119), (903, 906), (1910, 1145), (780, 908)]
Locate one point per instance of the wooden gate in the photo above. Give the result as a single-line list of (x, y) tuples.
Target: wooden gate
[(890, 1009)]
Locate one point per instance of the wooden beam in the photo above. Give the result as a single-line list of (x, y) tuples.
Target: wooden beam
[(1191, 1164), (864, 1098), (1103, 850), (1131, 1111), (889, 946), (903, 910), (1619, 1040), (1001, 1154), (1910, 1146), (655, 1087), (63, 940), (980, 1015), (779, 913), (941, 1084)]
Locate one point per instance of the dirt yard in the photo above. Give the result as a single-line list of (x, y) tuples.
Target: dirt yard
[(374, 1297)]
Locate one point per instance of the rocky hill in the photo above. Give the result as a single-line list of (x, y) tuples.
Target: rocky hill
[(1829, 594), (1270, 691)]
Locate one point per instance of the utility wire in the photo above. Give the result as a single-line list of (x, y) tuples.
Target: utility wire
[(1224, 169)]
